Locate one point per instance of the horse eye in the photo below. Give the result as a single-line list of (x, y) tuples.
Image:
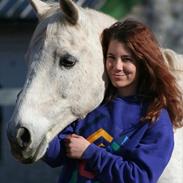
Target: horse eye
[(67, 61)]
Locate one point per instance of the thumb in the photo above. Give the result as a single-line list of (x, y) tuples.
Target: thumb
[(75, 135)]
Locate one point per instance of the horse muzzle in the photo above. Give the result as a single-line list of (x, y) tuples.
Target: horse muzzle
[(20, 142)]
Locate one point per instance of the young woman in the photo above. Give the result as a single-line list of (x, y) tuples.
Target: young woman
[(129, 138)]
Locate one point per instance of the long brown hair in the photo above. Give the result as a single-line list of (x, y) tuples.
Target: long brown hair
[(156, 83)]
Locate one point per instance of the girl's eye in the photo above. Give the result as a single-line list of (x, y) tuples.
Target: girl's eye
[(110, 57), (127, 59)]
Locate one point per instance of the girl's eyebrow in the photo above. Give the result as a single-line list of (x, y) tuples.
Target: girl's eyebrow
[(110, 54), (126, 56), (123, 56)]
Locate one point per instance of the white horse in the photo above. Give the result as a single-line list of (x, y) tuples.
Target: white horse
[(66, 80)]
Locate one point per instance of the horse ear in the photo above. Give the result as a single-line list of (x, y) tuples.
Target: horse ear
[(40, 8), (70, 10)]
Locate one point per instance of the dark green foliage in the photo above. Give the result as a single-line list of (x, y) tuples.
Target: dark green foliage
[(119, 8)]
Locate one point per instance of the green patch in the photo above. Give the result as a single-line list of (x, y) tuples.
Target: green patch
[(74, 177), (119, 8)]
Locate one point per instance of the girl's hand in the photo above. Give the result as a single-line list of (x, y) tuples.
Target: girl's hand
[(75, 146)]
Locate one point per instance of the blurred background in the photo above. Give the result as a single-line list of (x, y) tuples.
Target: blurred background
[(17, 23)]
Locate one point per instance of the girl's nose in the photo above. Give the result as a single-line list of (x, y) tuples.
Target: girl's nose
[(118, 65)]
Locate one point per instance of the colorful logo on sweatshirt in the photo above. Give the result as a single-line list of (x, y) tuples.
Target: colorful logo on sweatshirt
[(114, 145)]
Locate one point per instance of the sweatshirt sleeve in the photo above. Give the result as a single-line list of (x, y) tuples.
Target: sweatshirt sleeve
[(55, 154), (144, 162)]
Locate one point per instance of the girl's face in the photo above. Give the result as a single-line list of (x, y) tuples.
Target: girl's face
[(122, 68)]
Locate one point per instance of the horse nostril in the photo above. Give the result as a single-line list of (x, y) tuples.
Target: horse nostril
[(23, 137)]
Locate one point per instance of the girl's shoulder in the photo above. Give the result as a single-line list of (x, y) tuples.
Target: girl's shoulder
[(164, 120), (164, 115)]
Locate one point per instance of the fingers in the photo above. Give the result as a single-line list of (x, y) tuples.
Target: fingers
[(75, 145), (75, 135), (68, 145), (69, 142), (68, 137)]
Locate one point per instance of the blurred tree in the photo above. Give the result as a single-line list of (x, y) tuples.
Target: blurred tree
[(118, 8)]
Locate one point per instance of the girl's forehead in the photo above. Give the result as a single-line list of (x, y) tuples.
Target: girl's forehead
[(117, 46)]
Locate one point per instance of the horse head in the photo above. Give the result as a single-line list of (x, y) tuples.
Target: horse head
[(65, 78)]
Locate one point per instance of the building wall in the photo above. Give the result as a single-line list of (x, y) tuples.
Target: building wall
[(14, 40)]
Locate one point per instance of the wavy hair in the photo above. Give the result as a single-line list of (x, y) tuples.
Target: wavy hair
[(157, 85)]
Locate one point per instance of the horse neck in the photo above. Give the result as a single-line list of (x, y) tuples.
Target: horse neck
[(99, 19)]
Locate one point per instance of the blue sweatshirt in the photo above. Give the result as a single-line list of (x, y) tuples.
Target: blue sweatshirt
[(122, 149)]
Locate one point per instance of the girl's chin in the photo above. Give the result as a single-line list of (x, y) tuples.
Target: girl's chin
[(120, 84)]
